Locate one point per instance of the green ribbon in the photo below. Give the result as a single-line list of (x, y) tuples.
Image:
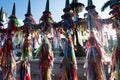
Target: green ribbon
[(16, 22)]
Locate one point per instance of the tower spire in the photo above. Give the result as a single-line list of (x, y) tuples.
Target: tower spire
[(1, 14), (47, 8), (67, 6), (29, 9), (74, 1), (13, 11), (90, 5)]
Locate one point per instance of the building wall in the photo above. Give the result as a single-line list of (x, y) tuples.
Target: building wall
[(80, 70)]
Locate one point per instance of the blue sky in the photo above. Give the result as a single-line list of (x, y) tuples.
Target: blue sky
[(56, 8)]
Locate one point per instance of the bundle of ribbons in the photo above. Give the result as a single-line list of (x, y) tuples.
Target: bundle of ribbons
[(68, 67), (94, 64), (115, 60), (46, 59), (8, 63)]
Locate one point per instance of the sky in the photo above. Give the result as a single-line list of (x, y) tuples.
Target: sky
[(56, 8)]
